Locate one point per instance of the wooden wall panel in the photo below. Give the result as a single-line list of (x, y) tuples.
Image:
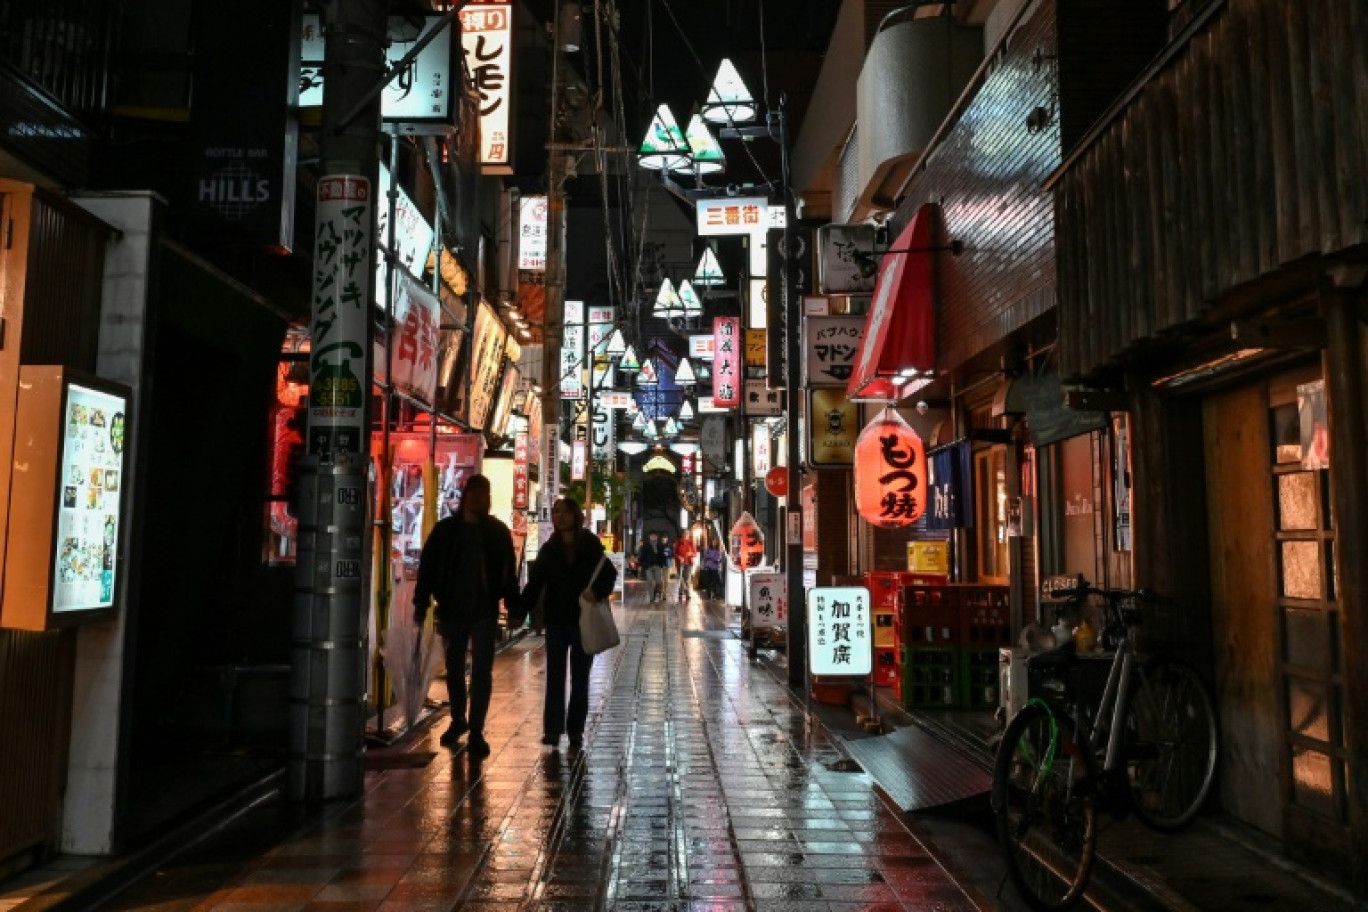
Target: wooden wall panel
[(1252, 154)]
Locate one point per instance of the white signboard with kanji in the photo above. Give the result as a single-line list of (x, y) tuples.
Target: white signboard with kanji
[(840, 631), (532, 228), (761, 400), (572, 362), (487, 40), (768, 601), (732, 215)]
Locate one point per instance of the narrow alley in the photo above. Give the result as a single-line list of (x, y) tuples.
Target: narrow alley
[(699, 786)]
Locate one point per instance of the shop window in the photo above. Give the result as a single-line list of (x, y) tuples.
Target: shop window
[(990, 474)]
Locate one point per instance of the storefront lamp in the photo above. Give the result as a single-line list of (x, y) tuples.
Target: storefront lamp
[(890, 472), (664, 148), (747, 543), (729, 101), (709, 271)]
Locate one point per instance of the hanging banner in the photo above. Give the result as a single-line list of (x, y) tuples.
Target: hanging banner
[(487, 41), (413, 359), (727, 373), (487, 362), (412, 237), (760, 450), (840, 631), (831, 345), (339, 322), (951, 498), (713, 437), (521, 483), (578, 460)]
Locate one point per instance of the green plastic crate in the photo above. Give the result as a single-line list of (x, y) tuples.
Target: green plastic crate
[(929, 677)]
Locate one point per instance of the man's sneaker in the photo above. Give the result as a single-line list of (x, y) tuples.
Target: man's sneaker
[(551, 740), (477, 746), (454, 731)]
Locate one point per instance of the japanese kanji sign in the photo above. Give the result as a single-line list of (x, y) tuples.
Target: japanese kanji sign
[(761, 400), (732, 215), (521, 484), (833, 424), (768, 601), (532, 228), (832, 344), (890, 472), (338, 381), (413, 359), (727, 373), (756, 341), (412, 236), (487, 40), (840, 631)]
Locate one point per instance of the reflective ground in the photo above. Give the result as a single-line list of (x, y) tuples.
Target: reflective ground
[(700, 786)]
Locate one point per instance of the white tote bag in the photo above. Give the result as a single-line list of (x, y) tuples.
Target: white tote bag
[(598, 630)]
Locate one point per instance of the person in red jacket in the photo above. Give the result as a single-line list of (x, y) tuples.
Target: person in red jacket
[(684, 553)]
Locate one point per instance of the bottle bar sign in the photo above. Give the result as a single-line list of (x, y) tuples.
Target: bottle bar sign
[(840, 631)]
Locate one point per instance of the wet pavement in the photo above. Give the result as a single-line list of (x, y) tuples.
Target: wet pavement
[(701, 785)]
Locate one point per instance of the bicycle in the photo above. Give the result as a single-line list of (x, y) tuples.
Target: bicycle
[(1150, 747)]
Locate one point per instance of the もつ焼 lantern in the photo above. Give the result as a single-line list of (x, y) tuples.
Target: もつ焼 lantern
[(890, 472), (747, 543)]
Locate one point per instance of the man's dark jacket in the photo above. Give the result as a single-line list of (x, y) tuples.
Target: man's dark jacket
[(649, 555), (461, 599)]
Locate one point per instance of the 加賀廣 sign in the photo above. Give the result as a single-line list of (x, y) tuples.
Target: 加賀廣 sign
[(840, 631)]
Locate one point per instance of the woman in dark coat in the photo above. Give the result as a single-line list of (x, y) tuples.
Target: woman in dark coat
[(563, 571)]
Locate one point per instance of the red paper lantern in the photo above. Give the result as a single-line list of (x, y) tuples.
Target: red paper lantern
[(747, 543), (890, 472)]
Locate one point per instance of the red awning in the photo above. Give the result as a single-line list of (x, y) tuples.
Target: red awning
[(899, 346)]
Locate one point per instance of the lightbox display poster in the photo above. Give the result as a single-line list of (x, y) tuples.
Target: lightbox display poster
[(89, 507), (834, 425), (840, 631), (487, 41), (727, 355), (768, 601), (486, 364)]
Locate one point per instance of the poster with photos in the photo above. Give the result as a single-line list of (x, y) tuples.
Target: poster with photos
[(89, 508)]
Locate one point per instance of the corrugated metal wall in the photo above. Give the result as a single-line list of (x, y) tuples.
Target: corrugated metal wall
[(1247, 152), (35, 714)]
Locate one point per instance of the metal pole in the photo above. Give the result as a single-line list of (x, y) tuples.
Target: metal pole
[(553, 325), (328, 699), (793, 391)]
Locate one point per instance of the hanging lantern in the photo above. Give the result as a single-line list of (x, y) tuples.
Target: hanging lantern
[(890, 472), (747, 543)]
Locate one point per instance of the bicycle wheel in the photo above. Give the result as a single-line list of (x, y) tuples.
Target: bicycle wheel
[(1046, 812), (1171, 743)]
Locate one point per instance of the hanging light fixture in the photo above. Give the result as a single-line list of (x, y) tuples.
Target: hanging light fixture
[(709, 272), (686, 411), (890, 472), (629, 360), (688, 299), (667, 301), (633, 447), (671, 427), (617, 345), (650, 432), (684, 374), (648, 375), (639, 422), (664, 148), (706, 154), (729, 101)]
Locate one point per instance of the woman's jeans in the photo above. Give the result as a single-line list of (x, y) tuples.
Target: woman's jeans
[(479, 636), (556, 719)]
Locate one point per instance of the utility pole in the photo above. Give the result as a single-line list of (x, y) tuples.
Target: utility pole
[(553, 320), (796, 645), (329, 654)]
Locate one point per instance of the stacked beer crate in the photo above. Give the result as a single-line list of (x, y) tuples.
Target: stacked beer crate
[(951, 633)]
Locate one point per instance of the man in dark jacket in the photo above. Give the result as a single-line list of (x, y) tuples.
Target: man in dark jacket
[(467, 566), (651, 558)]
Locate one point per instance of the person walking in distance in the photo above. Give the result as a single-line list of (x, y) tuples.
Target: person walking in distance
[(567, 566), (684, 553), (466, 567), (651, 558), (712, 569)]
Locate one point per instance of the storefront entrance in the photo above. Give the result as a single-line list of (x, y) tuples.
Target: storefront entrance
[(1276, 615)]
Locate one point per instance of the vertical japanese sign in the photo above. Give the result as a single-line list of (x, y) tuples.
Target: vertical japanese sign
[(768, 601), (413, 360), (761, 400), (760, 449), (602, 433), (840, 631), (572, 362), (726, 362), (412, 236), (487, 40), (601, 321), (532, 229), (521, 485), (340, 310), (578, 460)]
